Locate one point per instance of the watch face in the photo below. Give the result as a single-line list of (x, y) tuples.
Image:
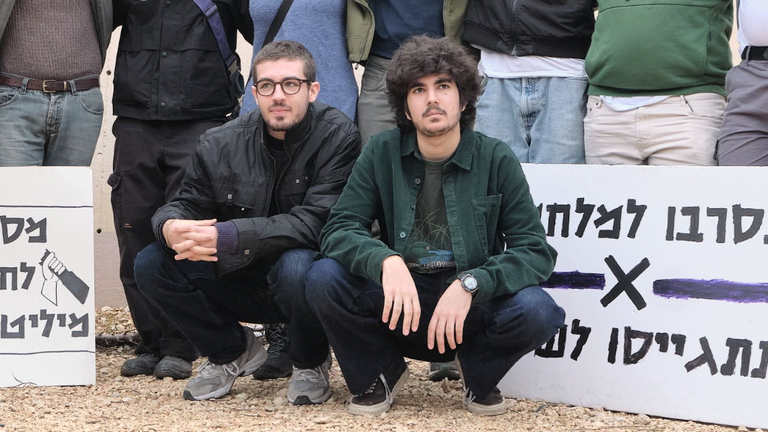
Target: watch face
[(469, 282)]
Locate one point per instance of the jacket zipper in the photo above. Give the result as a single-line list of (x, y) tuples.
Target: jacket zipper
[(280, 177), (269, 196)]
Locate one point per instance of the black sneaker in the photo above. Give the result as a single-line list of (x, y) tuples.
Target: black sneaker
[(440, 371), (143, 364), (493, 404), (278, 363), (174, 367), (380, 395)]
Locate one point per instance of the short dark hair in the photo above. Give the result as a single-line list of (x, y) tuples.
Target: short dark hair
[(423, 55), (286, 50)]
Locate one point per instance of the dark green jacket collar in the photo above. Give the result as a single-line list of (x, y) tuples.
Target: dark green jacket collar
[(462, 158)]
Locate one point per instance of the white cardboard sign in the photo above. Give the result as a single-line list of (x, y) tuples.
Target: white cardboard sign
[(46, 277), (663, 274)]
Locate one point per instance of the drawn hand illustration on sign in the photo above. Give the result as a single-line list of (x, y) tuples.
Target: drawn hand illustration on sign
[(54, 272)]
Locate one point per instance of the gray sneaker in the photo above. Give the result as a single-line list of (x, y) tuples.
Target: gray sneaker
[(310, 386), (214, 381)]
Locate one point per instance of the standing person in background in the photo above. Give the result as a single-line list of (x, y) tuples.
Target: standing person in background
[(375, 29), (171, 85), (532, 58), (657, 81), (319, 26), (51, 55), (744, 135)]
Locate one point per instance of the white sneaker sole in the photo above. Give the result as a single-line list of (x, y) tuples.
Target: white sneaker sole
[(487, 410), (304, 399)]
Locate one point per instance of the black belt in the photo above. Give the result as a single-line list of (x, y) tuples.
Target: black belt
[(49, 86), (755, 53)]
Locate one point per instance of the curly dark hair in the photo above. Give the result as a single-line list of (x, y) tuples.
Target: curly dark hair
[(286, 50), (423, 55)]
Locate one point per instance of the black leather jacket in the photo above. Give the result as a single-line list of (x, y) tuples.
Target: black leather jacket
[(552, 28), (231, 177), (169, 66)]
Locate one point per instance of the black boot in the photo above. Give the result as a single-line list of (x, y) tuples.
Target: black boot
[(278, 365)]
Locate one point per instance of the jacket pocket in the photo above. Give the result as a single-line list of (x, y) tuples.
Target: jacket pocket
[(486, 210), (240, 201), (668, 53), (133, 76), (203, 70), (137, 54), (295, 183)]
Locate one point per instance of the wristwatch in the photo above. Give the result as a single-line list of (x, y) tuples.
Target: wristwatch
[(468, 282)]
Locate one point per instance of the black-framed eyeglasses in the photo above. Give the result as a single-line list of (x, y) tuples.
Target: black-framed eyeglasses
[(290, 86)]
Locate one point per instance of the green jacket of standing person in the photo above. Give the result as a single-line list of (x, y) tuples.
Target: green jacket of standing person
[(649, 48), (360, 25)]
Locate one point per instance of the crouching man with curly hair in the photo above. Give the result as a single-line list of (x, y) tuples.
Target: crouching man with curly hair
[(456, 271)]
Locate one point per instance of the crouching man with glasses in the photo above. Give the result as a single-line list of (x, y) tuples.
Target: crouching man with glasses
[(455, 274), (234, 245)]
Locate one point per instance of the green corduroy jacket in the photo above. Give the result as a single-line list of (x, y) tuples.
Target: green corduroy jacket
[(487, 200)]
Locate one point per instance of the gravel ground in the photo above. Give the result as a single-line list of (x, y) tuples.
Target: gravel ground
[(147, 404)]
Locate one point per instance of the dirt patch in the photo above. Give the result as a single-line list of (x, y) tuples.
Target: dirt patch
[(146, 404)]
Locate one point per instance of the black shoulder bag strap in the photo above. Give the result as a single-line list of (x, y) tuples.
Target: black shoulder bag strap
[(277, 21), (211, 13)]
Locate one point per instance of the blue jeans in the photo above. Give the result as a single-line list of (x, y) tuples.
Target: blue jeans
[(497, 333), (208, 308), (57, 129), (540, 119)]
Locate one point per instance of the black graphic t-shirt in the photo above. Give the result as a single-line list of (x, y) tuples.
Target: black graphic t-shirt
[(429, 248)]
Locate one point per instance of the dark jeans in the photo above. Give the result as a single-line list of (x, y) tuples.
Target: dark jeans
[(149, 162), (497, 333), (208, 308)]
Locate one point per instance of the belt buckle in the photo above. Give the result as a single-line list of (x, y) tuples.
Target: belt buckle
[(45, 84)]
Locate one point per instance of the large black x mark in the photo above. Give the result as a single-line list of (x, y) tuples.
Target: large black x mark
[(624, 283)]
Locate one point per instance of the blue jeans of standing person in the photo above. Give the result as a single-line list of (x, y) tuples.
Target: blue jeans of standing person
[(497, 333), (540, 119), (56, 129), (208, 308)]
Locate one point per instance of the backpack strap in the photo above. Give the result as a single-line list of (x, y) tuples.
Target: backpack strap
[(211, 13)]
